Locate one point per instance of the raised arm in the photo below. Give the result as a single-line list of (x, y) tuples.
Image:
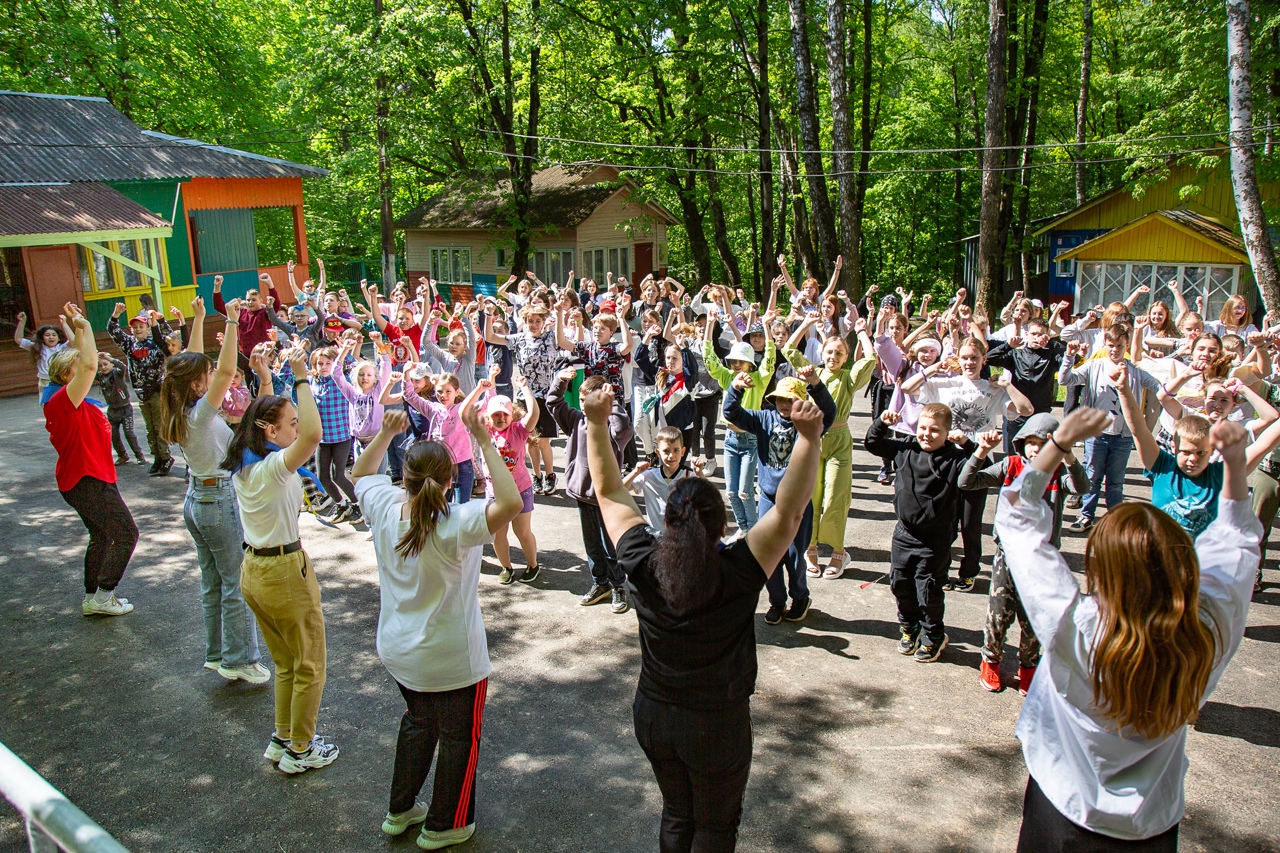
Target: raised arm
[(1180, 300), (785, 275), (225, 372), (562, 340), (1148, 449), (19, 327), (195, 343), (87, 365), (617, 507), (835, 280), (310, 430)]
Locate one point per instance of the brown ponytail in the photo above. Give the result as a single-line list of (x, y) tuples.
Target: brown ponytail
[(428, 472)]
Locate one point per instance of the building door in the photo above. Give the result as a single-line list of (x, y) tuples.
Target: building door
[(53, 280), (644, 260)]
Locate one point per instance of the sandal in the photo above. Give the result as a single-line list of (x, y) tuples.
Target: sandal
[(811, 558), (836, 567)]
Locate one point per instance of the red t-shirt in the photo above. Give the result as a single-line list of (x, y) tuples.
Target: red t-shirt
[(401, 339), (82, 437)]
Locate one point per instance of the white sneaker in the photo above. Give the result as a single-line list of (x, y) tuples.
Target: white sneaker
[(709, 468), (214, 665), (431, 839), (317, 754), (254, 673), (398, 823), (111, 607), (277, 746)]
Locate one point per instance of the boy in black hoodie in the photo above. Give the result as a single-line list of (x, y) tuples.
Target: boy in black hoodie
[(113, 379), (926, 496)]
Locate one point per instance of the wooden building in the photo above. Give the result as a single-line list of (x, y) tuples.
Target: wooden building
[(95, 210), (583, 216), (1183, 228)]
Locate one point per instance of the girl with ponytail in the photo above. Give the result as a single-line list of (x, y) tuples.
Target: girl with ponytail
[(1128, 665), (191, 397), (430, 629), (271, 444), (696, 604)]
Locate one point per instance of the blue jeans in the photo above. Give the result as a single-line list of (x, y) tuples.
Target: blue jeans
[(792, 565), (212, 517), (361, 445), (1105, 457), (740, 477), (462, 482)]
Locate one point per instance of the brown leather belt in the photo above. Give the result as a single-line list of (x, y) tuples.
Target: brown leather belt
[(275, 550), (210, 482)]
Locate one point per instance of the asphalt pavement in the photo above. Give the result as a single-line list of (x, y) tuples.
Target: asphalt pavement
[(856, 747)]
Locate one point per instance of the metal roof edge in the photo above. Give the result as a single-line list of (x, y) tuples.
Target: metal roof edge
[(196, 143), (55, 96)]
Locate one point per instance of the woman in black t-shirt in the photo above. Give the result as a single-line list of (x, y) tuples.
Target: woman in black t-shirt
[(696, 603)]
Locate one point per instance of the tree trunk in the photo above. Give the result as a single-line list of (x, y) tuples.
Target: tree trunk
[(1244, 176), (1029, 107), (1082, 106), (866, 132), (757, 62), (990, 285), (801, 239), (382, 116), (753, 292), (719, 228), (841, 142), (807, 109)]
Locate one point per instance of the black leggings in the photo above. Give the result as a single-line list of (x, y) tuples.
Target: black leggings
[(1045, 830), (112, 533), (707, 411), (452, 720), (332, 461)]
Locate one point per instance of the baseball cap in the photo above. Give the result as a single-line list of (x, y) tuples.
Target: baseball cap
[(609, 307), (792, 388), (499, 403), (757, 328), (143, 317), (742, 351), (334, 323), (420, 372), (1037, 303)]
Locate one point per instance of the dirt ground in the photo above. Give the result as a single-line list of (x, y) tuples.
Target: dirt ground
[(856, 747)]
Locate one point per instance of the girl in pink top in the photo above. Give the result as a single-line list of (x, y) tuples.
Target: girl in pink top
[(511, 438), (447, 427)]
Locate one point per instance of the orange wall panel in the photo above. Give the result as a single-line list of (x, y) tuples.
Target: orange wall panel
[(225, 193)]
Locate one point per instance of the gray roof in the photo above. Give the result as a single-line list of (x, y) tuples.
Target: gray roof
[(27, 209), (46, 138), (563, 197)]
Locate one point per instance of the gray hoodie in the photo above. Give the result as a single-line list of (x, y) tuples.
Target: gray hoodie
[(574, 424)]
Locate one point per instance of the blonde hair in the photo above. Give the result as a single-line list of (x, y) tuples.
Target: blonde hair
[(1153, 652), (1227, 317), (62, 365)]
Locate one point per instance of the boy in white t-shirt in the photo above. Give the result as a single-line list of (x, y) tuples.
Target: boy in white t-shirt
[(655, 483)]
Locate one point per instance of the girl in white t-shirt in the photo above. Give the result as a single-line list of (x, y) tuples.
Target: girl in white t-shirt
[(430, 630), (977, 405), (270, 446), (48, 343)]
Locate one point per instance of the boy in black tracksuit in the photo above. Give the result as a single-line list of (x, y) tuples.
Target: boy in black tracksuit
[(113, 379), (926, 496)]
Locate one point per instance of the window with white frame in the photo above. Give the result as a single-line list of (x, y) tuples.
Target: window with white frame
[(451, 265), (100, 274), (1066, 267), (553, 265), (612, 259), (1103, 282)]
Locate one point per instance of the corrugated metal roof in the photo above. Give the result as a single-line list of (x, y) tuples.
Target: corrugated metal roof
[(563, 197), (27, 209), (1207, 228), (47, 138)]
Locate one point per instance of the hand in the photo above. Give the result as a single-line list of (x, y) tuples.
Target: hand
[(1142, 321), (1173, 285), (567, 374), (1234, 385), (320, 264), (217, 283), (376, 337), (173, 309), (519, 382), (782, 262), (258, 360), (698, 466), (485, 384), (1118, 375), (264, 278), (21, 318), (1231, 440), (860, 326), (197, 306), (1014, 341), (842, 295), (957, 436), (1142, 288), (529, 274), (890, 418), (807, 374), (1083, 423), (1257, 339), (741, 382), (233, 311), (872, 289), (297, 358), (990, 439), (643, 466), (290, 264), (118, 309), (1073, 349), (75, 318), (271, 335), (807, 418), (598, 405)]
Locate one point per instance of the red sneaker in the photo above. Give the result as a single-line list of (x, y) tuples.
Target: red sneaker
[(989, 674), (1025, 674)]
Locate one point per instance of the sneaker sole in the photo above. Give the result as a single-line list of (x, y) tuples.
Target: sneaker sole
[(591, 601), (802, 616), (525, 577), (769, 621), (235, 676), (398, 828), (427, 843), (295, 769), (619, 610)]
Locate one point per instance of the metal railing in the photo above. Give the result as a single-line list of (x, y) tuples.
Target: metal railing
[(53, 822)]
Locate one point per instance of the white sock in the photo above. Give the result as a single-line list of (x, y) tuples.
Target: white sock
[(103, 595)]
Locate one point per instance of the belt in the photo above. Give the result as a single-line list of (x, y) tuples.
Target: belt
[(210, 482), (275, 550)]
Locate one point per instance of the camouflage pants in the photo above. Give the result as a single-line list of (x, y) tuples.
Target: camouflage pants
[(1003, 606)]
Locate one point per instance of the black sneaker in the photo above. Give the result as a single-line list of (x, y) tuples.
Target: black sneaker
[(343, 513), (531, 574), (354, 515), (773, 615), (161, 467), (155, 466), (595, 595), (549, 484), (959, 584), (1081, 524), (122, 460), (909, 641), (798, 610), (619, 603), (929, 652)]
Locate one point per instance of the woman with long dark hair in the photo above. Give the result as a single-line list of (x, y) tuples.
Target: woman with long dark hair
[(191, 398), (1128, 665), (430, 629), (696, 604), (270, 446)]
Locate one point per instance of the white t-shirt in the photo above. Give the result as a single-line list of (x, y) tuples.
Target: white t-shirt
[(208, 438), (1217, 327), (270, 498), (430, 631), (45, 356), (976, 405), (655, 488)]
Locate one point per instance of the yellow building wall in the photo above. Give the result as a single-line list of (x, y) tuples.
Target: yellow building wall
[(1157, 241), (1213, 197)]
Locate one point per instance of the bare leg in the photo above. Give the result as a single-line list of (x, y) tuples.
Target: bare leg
[(523, 526), (501, 547)]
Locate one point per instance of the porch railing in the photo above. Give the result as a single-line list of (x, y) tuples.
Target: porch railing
[(53, 822)]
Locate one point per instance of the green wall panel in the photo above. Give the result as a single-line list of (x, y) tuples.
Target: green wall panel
[(157, 197), (225, 240)]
